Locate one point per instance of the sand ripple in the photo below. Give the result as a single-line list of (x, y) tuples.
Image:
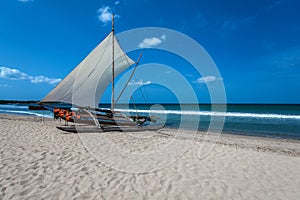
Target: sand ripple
[(39, 162)]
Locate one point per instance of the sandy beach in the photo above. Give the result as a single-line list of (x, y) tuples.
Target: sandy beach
[(38, 161)]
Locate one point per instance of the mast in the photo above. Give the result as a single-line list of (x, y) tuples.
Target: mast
[(113, 64)]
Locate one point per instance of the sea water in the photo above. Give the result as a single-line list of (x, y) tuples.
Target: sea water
[(22, 109), (267, 120)]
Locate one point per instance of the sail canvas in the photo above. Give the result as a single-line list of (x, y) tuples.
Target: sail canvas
[(85, 85)]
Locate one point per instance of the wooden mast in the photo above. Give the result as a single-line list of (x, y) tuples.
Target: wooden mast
[(113, 64)]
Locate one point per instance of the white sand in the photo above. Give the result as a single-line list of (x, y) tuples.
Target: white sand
[(37, 161)]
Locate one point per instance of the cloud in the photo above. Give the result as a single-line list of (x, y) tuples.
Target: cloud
[(234, 24), (14, 74), (163, 37), (105, 14), (207, 79), (117, 2), (139, 83), (25, 1), (43, 79), (151, 42)]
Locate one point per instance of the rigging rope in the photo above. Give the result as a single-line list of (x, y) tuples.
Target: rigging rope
[(131, 75)]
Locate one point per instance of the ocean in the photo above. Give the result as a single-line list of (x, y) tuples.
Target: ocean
[(264, 120)]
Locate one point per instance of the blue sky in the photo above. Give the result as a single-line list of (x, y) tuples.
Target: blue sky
[(255, 44)]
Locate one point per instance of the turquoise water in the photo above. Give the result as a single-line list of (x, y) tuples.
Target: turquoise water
[(267, 120), (23, 110)]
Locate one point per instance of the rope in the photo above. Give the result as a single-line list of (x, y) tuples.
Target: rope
[(131, 75)]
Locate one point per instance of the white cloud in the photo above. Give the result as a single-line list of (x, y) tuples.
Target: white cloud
[(105, 14), (151, 42), (117, 2), (25, 1), (14, 74), (43, 79), (139, 83), (163, 37), (207, 79)]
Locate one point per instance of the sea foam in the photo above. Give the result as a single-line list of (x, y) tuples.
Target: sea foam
[(213, 113)]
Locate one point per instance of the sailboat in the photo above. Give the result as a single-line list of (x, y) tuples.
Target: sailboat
[(82, 90)]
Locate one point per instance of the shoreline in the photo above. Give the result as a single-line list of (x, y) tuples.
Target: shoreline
[(277, 145), (223, 138), (226, 132)]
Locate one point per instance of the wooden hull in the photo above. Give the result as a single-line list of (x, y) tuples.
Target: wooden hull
[(90, 121), (94, 129)]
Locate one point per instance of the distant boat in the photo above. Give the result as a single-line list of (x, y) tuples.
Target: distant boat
[(84, 86)]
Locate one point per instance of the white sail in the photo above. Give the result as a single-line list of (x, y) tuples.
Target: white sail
[(85, 85)]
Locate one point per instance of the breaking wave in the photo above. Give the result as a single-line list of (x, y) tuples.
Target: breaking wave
[(25, 113), (220, 114)]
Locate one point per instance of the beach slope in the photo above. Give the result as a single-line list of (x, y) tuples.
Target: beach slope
[(37, 161)]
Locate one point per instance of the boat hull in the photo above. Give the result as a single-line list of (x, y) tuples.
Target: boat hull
[(94, 129)]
